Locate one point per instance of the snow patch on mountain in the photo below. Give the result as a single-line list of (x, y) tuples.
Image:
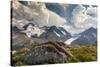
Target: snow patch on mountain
[(70, 40), (57, 34), (32, 30), (63, 32)]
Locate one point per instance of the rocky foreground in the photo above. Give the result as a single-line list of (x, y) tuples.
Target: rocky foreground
[(53, 52)]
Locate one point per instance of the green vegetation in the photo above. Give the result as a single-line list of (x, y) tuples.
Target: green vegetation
[(83, 53)]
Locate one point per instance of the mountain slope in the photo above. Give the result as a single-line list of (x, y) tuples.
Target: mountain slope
[(56, 34), (88, 36)]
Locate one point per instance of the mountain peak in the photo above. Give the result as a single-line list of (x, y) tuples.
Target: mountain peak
[(88, 31)]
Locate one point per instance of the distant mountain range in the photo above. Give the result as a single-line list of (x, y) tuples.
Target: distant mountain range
[(54, 33)]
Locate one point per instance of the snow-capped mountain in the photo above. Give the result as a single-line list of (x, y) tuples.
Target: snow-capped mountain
[(56, 33), (50, 33), (32, 30)]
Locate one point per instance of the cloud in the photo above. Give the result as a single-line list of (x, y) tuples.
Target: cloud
[(92, 11), (84, 18)]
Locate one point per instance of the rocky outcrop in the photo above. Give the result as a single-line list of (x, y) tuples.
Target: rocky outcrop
[(47, 53)]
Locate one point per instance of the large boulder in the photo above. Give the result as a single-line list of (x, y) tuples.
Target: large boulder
[(47, 53)]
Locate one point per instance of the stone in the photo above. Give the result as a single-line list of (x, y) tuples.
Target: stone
[(45, 54)]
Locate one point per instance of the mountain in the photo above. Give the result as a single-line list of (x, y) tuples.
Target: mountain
[(88, 36), (56, 34)]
